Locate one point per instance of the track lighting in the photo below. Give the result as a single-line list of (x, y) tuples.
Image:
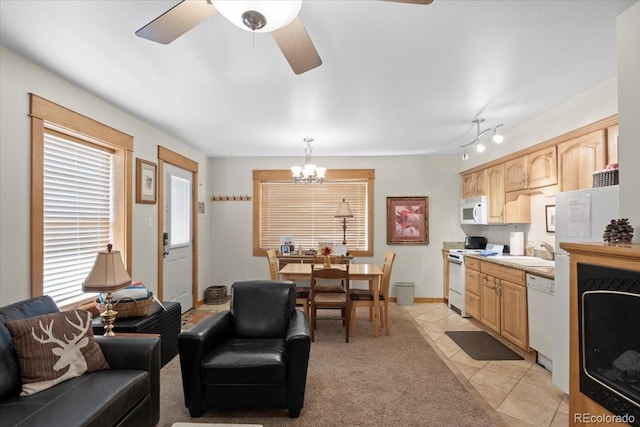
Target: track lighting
[(497, 138)]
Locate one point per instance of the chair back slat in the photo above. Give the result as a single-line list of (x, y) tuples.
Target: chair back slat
[(387, 266), (272, 258)]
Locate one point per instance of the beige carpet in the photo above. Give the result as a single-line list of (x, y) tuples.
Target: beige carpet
[(395, 380)]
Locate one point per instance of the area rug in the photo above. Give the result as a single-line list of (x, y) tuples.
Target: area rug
[(395, 380), (479, 345)]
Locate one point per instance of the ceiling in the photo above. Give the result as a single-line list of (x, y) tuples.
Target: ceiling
[(396, 79)]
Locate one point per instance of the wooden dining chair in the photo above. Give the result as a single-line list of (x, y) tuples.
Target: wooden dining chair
[(330, 287), (364, 297), (329, 300), (302, 292)]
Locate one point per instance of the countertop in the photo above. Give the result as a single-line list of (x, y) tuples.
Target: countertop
[(548, 272)]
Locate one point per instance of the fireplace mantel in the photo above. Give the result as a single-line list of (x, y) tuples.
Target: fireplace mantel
[(625, 257)]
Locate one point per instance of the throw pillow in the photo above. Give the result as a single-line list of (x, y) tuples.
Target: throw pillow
[(53, 348)]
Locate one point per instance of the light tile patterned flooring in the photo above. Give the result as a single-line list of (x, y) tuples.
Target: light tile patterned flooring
[(520, 391)]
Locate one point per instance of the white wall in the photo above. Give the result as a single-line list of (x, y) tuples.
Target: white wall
[(18, 78), (628, 26), (436, 177)]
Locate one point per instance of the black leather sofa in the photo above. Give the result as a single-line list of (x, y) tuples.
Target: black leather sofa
[(127, 394), (254, 355)]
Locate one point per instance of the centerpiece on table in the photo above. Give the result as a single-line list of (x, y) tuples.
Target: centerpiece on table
[(326, 252)]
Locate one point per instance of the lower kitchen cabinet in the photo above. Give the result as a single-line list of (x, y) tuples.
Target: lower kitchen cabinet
[(503, 302), (472, 287)]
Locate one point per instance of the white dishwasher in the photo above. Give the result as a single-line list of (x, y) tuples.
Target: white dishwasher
[(540, 305)]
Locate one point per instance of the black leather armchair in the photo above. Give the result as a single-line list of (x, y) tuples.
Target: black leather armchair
[(254, 355)]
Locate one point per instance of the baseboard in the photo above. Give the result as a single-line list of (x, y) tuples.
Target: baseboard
[(421, 300)]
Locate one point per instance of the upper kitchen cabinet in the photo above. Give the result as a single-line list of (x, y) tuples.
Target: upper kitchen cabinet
[(495, 194), (474, 184), (612, 144), (579, 158), (534, 170)]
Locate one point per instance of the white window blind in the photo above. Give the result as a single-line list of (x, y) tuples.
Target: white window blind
[(306, 212), (78, 214)]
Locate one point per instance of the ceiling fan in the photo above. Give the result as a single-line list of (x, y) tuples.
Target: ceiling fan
[(278, 17)]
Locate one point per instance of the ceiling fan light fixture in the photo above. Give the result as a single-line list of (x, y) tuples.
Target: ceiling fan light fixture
[(259, 16)]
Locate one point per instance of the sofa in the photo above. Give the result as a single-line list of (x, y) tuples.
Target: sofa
[(125, 394), (254, 355)]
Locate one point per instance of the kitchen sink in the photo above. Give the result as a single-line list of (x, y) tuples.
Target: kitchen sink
[(529, 261)]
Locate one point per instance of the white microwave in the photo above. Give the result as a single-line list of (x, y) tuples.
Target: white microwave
[(474, 210)]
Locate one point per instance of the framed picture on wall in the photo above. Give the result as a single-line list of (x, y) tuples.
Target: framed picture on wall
[(550, 215), (146, 181), (408, 220)]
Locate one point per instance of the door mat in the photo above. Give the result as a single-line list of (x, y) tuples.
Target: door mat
[(479, 345)]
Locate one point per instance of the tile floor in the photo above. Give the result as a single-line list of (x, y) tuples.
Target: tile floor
[(520, 391)]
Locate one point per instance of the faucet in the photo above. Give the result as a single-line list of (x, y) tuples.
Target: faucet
[(549, 249)]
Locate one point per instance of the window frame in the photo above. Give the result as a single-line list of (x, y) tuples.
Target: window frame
[(48, 116), (260, 176)]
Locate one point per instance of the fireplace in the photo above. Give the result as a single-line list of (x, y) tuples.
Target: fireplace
[(609, 338)]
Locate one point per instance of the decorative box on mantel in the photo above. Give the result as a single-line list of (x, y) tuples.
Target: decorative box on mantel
[(604, 334)]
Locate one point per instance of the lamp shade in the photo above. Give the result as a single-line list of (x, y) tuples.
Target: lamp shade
[(108, 273), (344, 211)]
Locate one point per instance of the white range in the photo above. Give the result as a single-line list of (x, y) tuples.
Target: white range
[(456, 278)]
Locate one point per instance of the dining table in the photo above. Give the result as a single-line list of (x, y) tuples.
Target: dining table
[(370, 273)]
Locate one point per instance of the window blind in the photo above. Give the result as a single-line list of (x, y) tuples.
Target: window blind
[(78, 214), (306, 212)]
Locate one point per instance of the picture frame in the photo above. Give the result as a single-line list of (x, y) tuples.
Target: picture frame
[(285, 250), (550, 218), (146, 181), (408, 220)]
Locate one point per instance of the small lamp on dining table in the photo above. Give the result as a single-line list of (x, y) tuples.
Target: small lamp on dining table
[(344, 212), (108, 274)]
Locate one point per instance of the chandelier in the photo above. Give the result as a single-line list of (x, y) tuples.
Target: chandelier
[(497, 138), (309, 173)]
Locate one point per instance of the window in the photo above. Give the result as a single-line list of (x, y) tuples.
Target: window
[(81, 181), (306, 211)]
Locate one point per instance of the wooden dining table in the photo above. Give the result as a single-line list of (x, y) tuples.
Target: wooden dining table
[(370, 273)]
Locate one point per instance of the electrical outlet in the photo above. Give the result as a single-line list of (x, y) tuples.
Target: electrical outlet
[(150, 222)]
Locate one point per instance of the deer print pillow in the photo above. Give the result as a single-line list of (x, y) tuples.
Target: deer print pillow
[(53, 348)]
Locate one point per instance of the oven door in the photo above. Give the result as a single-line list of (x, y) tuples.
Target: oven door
[(456, 286)]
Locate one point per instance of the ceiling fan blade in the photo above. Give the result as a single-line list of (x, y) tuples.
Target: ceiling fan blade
[(412, 1), (296, 45), (177, 21)]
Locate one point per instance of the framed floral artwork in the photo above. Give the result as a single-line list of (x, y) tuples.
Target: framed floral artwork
[(146, 181), (408, 220)]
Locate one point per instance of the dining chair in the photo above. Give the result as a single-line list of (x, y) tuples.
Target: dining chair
[(364, 297), (302, 292), (329, 300), (330, 287)]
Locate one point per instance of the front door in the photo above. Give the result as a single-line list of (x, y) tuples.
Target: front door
[(178, 241)]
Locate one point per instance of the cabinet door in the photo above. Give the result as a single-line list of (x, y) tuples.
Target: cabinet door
[(468, 185), (480, 182), (472, 281), (515, 174), (513, 310), (495, 194), (578, 159), (612, 144), (490, 303), (445, 276), (472, 304), (542, 168)]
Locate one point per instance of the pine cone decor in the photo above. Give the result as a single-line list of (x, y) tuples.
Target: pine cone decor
[(618, 231)]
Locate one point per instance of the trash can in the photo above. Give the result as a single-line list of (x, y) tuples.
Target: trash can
[(405, 292)]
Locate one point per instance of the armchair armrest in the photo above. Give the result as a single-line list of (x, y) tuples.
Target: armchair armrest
[(298, 344), (141, 353), (193, 345)]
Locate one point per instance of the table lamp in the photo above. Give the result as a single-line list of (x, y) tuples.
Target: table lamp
[(108, 274), (344, 212)]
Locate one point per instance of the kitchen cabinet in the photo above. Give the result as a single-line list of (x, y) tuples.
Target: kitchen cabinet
[(472, 287), (445, 275), (531, 171), (474, 184), (503, 302), (495, 194), (612, 144), (578, 158)]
